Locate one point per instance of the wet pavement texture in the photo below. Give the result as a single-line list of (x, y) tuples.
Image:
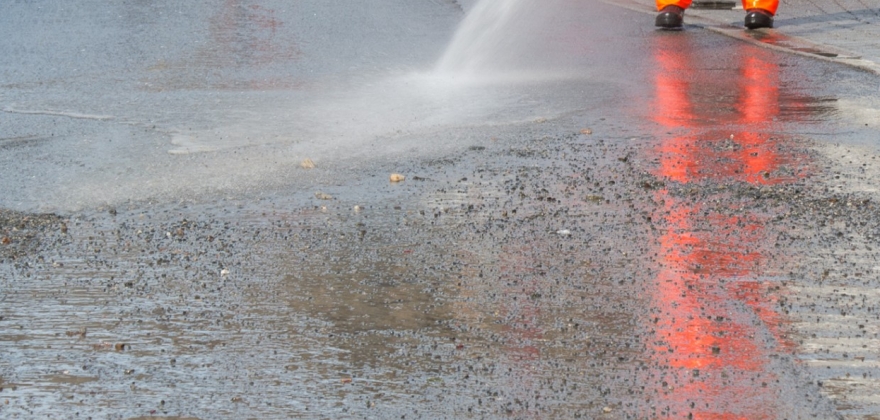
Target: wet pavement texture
[(841, 31), (673, 225)]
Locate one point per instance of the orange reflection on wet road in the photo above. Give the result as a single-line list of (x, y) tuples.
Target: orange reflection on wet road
[(714, 327)]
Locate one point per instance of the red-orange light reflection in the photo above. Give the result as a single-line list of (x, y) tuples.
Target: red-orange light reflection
[(714, 326)]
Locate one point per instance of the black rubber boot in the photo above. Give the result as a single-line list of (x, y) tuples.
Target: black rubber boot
[(758, 18), (670, 17)]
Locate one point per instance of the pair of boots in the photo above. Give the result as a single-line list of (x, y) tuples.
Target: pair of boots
[(672, 17)]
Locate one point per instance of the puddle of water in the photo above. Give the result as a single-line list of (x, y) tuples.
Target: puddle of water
[(718, 331), (382, 312), (66, 379), (796, 44)]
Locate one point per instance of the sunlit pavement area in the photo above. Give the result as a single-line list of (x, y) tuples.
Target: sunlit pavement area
[(393, 209)]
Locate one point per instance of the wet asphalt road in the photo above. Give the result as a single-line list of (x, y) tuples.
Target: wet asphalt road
[(626, 224)]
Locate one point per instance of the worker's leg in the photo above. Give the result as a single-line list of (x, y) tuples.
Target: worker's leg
[(684, 4), (768, 5)]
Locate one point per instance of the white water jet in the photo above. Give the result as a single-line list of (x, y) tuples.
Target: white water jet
[(507, 40), (484, 30), (499, 46), (484, 76)]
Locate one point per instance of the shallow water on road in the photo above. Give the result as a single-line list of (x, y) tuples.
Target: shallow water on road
[(679, 238), (505, 282)]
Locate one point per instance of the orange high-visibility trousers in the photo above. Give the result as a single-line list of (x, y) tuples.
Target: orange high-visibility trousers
[(768, 5)]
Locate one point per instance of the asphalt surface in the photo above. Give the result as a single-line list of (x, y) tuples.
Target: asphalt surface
[(198, 217)]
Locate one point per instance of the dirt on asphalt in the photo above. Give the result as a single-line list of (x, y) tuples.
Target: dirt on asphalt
[(545, 272)]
